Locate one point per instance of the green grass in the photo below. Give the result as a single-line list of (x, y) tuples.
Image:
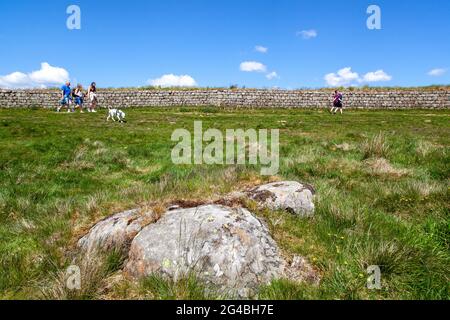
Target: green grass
[(382, 180)]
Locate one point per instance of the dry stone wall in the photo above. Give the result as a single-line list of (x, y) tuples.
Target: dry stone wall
[(249, 98)]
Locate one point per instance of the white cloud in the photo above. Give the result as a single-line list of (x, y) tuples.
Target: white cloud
[(49, 75), (14, 80), (346, 77), (253, 66), (307, 34), (272, 75), (261, 49), (343, 77), (43, 78), (437, 72), (171, 80), (376, 76)]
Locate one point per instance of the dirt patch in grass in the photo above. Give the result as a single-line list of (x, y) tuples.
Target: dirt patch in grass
[(381, 166)]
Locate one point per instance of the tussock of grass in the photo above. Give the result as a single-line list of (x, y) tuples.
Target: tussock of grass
[(376, 147), (391, 257), (95, 269)]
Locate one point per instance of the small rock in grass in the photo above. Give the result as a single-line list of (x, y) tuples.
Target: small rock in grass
[(113, 232), (291, 196)]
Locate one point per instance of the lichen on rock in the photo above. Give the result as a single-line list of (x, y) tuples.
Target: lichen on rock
[(227, 247)]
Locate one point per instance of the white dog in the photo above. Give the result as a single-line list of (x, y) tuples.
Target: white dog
[(116, 114)]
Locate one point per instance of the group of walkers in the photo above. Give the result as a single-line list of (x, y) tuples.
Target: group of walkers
[(74, 98)]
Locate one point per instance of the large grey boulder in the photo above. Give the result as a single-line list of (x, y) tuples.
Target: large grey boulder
[(227, 247), (291, 196), (116, 231)]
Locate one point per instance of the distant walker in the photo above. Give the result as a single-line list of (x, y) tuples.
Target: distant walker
[(337, 102)]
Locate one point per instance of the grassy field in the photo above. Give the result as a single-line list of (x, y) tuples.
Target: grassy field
[(382, 180)]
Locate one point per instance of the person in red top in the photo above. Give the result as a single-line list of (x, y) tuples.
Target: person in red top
[(337, 102)]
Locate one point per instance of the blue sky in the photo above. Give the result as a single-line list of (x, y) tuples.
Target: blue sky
[(130, 43)]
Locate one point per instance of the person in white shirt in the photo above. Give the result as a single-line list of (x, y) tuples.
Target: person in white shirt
[(92, 95), (79, 97)]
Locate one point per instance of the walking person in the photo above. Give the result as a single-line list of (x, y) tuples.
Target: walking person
[(92, 95), (337, 102), (79, 97), (66, 97)]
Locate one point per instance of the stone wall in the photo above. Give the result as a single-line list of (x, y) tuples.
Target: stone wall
[(425, 98)]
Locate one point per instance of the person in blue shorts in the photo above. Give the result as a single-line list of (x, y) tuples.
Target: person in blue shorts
[(78, 95), (66, 97)]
